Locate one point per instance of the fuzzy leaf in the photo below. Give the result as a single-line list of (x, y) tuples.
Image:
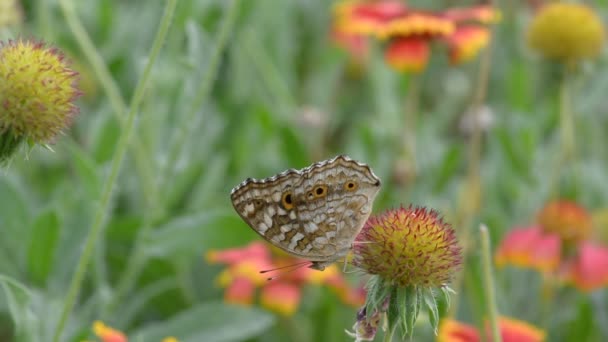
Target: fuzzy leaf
[(411, 308), (377, 292), (447, 292), (394, 309), (433, 312)]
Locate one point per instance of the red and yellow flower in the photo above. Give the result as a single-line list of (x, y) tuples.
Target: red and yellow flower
[(109, 334), (409, 32), (242, 278), (558, 244), (511, 330)]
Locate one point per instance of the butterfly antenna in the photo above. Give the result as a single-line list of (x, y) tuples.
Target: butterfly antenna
[(288, 269)]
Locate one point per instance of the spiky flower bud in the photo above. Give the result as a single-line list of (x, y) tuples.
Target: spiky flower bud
[(37, 93), (410, 252), (408, 247)]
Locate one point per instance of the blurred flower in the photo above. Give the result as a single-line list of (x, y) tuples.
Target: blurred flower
[(410, 252), (466, 41), (10, 13), (409, 32), (281, 294), (108, 334), (558, 245), (37, 94), (511, 330), (356, 45), (407, 54), (480, 118), (568, 220), (566, 32)]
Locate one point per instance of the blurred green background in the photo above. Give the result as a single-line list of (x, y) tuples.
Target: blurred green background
[(277, 94)]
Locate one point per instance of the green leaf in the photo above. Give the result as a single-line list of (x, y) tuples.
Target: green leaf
[(377, 292), (42, 245), (411, 308), (86, 169), (19, 298), (433, 312), (216, 322), (190, 234), (447, 294), (394, 309)]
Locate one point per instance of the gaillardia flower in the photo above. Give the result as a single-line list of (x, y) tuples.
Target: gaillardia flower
[(558, 246), (566, 32), (282, 294), (511, 330), (108, 334), (409, 252), (409, 32), (37, 94)]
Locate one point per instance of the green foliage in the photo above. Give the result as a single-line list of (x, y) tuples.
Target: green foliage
[(249, 98)]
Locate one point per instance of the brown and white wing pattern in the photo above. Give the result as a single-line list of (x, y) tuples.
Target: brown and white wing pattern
[(313, 213)]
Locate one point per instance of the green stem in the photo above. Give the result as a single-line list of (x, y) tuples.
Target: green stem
[(488, 282), (566, 120), (472, 188), (409, 129), (121, 148), (268, 72), (142, 162), (184, 130), (388, 335)]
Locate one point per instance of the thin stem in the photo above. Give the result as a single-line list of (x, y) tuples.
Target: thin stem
[(184, 130), (566, 120), (472, 189), (121, 148), (409, 129), (488, 283)]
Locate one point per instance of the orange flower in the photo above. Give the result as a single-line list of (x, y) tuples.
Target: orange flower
[(410, 31), (281, 294), (511, 330), (407, 54), (483, 14), (558, 246), (530, 248), (567, 219), (466, 42), (589, 270), (281, 297), (108, 334), (367, 18)]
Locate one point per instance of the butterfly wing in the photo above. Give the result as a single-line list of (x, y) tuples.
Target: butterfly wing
[(314, 213)]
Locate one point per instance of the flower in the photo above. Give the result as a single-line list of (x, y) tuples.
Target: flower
[(281, 294), (409, 32), (10, 13), (37, 93), (409, 246), (407, 54), (108, 334), (566, 32), (568, 220), (409, 252), (511, 330), (558, 245), (466, 41)]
